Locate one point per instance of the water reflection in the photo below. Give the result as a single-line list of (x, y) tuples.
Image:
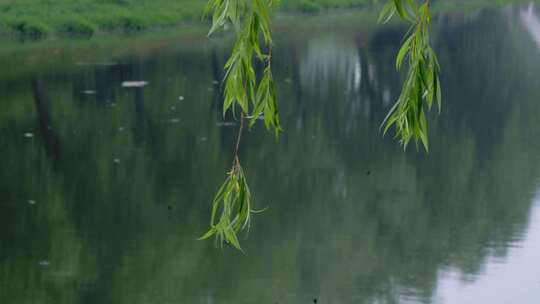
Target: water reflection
[(352, 218), (496, 274), (531, 22)]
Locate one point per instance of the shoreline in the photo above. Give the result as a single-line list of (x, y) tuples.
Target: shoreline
[(284, 20), (86, 20)]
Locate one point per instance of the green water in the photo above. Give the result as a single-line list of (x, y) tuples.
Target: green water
[(104, 189)]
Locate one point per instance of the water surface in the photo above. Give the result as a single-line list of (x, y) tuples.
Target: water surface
[(106, 185)]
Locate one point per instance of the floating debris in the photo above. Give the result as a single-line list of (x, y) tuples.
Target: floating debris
[(181, 98), (107, 63), (174, 120), (226, 124), (215, 82), (44, 263), (89, 92), (134, 84), (32, 202), (28, 135), (82, 63)]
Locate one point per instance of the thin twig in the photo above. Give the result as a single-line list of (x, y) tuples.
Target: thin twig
[(235, 160)]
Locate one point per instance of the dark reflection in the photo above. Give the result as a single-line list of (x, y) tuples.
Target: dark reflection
[(352, 218), (43, 110)]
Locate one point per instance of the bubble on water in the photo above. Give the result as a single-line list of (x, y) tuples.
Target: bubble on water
[(32, 202), (174, 120), (116, 160), (89, 92), (29, 135), (181, 98), (44, 263)]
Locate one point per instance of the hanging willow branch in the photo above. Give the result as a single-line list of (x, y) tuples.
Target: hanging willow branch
[(422, 86), (254, 97), (231, 208)]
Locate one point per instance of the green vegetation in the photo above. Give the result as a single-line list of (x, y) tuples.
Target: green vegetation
[(37, 19), (25, 28), (233, 199), (422, 87), (76, 27)]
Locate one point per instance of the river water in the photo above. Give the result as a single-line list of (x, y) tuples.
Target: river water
[(105, 187)]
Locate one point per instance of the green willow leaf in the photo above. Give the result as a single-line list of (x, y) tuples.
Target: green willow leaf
[(387, 12), (399, 8), (405, 48), (208, 234)]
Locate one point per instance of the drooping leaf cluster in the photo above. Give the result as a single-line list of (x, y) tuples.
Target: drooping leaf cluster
[(422, 86), (255, 96), (231, 208)]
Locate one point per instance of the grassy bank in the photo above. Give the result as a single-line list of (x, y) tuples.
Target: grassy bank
[(37, 19), (34, 19)]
